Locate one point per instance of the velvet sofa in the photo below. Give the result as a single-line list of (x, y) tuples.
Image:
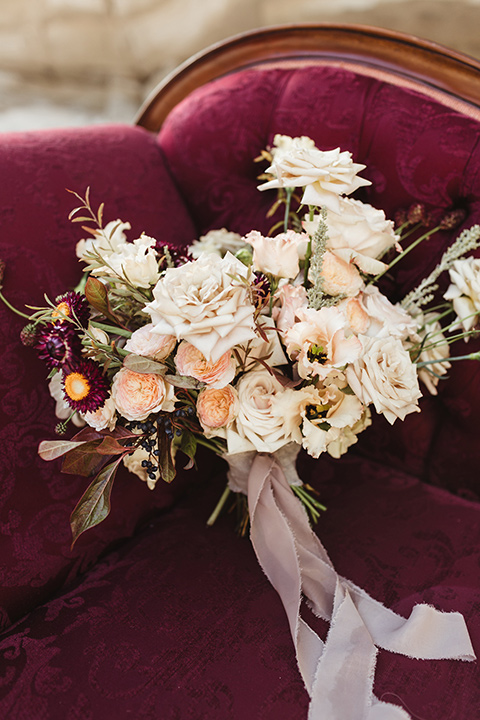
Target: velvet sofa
[(153, 615)]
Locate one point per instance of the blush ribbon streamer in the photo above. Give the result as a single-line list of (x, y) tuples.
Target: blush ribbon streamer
[(339, 672)]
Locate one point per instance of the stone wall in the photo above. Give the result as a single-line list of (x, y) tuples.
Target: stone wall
[(101, 57)]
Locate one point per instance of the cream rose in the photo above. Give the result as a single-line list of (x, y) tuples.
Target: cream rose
[(201, 303), (104, 418), (137, 395), (284, 144), (325, 174), (150, 344), (256, 427), (218, 242), (136, 262), (386, 319), (190, 361), (464, 292), (318, 342), (277, 255), (385, 376), (216, 408)]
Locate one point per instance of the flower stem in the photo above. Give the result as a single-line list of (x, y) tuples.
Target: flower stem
[(288, 193), (219, 506), (13, 309), (111, 328), (423, 237)]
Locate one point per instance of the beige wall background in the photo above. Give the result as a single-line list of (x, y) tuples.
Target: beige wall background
[(67, 62)]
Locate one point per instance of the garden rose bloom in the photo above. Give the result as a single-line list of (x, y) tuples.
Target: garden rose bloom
[(218, 242), (464, 291), (216, 408), (104, 417), (339, 277), (325, 174), (190, 361), (386, 319), (318, 342), (385, 376), (201, 303), (289, 299), (277, 255), (137, 395), (284, 144), (256, 427), (150, 344), (136, 261)]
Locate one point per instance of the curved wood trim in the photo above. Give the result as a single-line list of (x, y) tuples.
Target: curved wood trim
[(394, 53)]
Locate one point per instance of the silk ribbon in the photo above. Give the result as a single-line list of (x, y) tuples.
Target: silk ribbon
[(339, 673)]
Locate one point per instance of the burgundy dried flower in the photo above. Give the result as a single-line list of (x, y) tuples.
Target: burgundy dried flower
[(58, 345), (417, 214), (72, 304), (85, 387), (168, 253), (452, 219), (261, 289)]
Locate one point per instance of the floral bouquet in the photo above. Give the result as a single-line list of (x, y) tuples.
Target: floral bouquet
[(256, 347)]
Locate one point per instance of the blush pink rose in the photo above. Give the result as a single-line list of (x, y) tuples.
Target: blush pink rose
[(150, 344), (217, 407), (190, 361), (137, 395)]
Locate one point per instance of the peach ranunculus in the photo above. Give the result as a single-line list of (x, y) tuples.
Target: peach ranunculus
[(385, 376), (104, 417), (277, 255), (339, 277), (202, 303), (318, 342), (288, 299), (137, 395), (216, 408), (190, 361), (325, 175), (150, 344)]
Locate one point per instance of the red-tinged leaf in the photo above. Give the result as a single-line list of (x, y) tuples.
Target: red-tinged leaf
[(53, 449), (94, 505), (121, 432), (87, 434), (190, 464), (166, 463), (84, 460), (97, 295), (111, 446)]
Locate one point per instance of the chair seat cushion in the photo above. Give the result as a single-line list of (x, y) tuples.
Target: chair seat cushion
[(180, 623)]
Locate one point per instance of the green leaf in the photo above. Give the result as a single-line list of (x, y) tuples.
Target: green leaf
[(188, 444), (181, 381), (53, 449), (166, 463), (144, 365), (84, 460), (94, 505), (97, 295)]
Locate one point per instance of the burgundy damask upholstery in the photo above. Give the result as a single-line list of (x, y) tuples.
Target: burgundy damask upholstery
[(179, 622)]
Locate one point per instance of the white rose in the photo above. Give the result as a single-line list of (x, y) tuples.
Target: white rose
[(325, 174), (256, 426), (386, 319), (277, 255), (358, 233), (62, 408), (201, 303), (105, 242), (150, 344), (218, 242), (464, 291), (104, 417), (284, 144), (385, 376), (137, 262)]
